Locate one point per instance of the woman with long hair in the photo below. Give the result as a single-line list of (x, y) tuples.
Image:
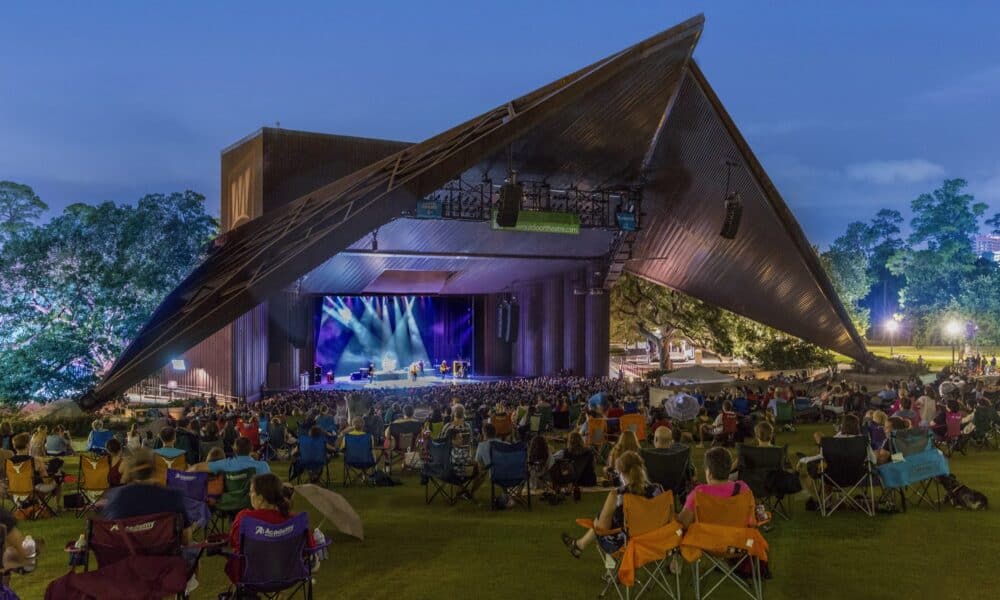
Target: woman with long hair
[(634, 480), (627, 442)]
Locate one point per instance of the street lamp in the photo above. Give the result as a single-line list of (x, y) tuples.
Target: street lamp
[(953, 329), (892, 326)]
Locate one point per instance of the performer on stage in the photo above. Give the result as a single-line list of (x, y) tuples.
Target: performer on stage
[(444, 369), (371, 372)]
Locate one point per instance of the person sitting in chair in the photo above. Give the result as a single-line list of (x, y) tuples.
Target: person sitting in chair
[(271, 502), (242, 460), (718, 463), (716, 427), (44, 482), (635, 480), (142, 496), (168, 439)]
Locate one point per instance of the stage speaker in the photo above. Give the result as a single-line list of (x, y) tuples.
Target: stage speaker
[(299, 313), (510, 204), (513, 319), (501, 320), (734, 212)]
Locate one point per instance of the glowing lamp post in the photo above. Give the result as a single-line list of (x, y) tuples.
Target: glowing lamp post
[(892, 326), (953, 329)]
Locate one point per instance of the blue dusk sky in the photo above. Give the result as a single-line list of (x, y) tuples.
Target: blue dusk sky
[(850, 106)]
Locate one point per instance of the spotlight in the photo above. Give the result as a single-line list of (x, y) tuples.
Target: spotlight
[(953, 329), (734, 207), (375, 241)]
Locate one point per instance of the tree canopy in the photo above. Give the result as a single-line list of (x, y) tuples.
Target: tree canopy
[(78, 288)]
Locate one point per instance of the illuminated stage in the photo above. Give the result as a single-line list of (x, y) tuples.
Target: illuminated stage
[(401, 384)]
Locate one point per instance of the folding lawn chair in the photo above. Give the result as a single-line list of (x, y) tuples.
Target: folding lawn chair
[(205, 447), (953, 438), (359, 459), (99, 441), (730, 427), (548, 418), (784, 415), (276, 447), (440, 472), (509, 472), (275, 558), (635, 423), (92, 481), (726, 536), (21, 487), (164, 464), (986, 428), (235, 497), (758, 467), (503, 424), (847, 473), (597, 437), (671, 468), (915, 468), (403, 436), (652, 536), (194, 488), (313, 459)]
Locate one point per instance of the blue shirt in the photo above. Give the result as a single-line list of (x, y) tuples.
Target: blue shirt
[(169, 453), (238, 463)]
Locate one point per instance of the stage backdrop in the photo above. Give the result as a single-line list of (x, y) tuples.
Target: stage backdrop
[(392, 331)]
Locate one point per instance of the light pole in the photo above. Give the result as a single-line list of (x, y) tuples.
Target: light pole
[(952, 329), (892, 326)]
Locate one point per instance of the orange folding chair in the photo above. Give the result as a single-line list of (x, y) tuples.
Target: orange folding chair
[(635, 423), (725, 533), (163, 464), (21, 486), (92, 480), (597, 437), (652, 537)]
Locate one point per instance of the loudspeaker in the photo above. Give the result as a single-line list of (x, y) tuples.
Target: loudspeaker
[(734, 212), (513, 318), (501, 320), (510, 204), (299, 314)]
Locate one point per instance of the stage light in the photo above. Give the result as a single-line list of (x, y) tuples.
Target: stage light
[(345, 313), (375, 241), (178, 364)]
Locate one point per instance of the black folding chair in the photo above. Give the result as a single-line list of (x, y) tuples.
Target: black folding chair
[(509, 472), (759, 468), (441, 474), (671, 468), (847, 477)]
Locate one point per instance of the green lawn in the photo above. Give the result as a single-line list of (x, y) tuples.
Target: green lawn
[(934, 356), (416, 551)]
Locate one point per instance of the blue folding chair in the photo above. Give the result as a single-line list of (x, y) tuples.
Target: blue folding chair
[(275, 558), (509, 472), (915, 468), (313, 459), (99, 441), (359, 459), (194, 488)]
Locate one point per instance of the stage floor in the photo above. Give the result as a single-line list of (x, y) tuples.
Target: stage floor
[(397, 384)]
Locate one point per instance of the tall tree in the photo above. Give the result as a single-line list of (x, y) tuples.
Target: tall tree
[(78, 288), (849, 272), (940, 257), (19, 206), (661, 315)]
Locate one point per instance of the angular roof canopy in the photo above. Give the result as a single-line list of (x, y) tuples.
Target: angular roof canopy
[(643, 117)]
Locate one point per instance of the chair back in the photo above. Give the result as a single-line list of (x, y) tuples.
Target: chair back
[(574, 413), (312, 450), (643, 515), (358, 450), (190, 484), (846, 459), (404, 435), (545, 412), (730, 423), (215, 486), (535, 423), (274, 555), (375, 426), (276, 433), (99, 440), (756, 466), (508, 463), (784, 412), (983, 418), (149, 535), (954, 421), (635, 423), (94, 473), (503, 424), (327, 423), (911, 441), (164, 464), (668, 467), (741, 406), (438, 464), (727, 511), (436, 428), (20, 477), (597, 432), (235, 490)]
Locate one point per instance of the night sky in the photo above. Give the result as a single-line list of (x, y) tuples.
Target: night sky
[(850, 106)]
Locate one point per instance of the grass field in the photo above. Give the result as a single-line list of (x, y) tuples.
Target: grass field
[(416, 551), (934, 356)]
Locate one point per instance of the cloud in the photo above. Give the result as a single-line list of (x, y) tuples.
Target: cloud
[(972, 86), (913, 170)]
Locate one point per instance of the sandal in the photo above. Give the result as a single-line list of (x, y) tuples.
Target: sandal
[(571, 545)]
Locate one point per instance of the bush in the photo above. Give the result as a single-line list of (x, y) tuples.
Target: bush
[(781, 354)]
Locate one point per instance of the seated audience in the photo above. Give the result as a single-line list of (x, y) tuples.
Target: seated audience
[(168, 439), (718, 463), (240, 461), (58, 442)]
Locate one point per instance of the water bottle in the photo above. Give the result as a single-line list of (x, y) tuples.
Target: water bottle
[(29, 548), (320, 540)]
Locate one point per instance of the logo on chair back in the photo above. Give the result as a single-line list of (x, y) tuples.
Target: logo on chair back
[(273, 533), (141, 527)]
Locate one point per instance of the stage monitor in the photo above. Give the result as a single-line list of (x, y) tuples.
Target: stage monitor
[(392, 332)]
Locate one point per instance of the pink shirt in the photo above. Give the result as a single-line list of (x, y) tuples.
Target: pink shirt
[(717, 489)]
